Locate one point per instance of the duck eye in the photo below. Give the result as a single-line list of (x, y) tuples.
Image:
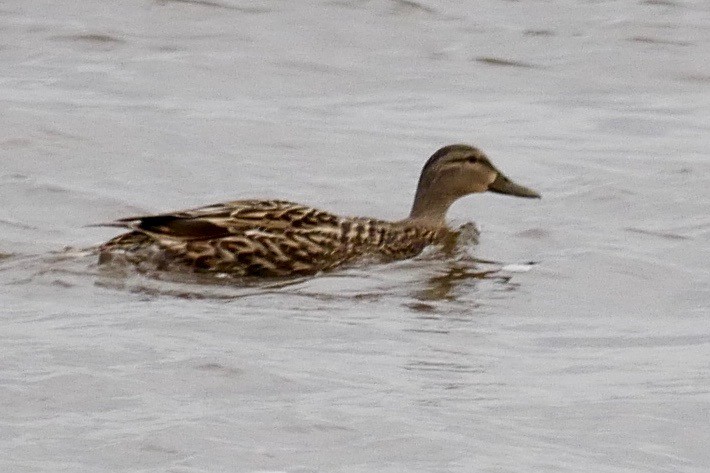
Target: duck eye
[(472, 159)]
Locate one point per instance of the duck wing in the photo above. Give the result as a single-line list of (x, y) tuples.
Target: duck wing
[(229, 219)]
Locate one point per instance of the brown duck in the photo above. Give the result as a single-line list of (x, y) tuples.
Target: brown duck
[(280, 238)]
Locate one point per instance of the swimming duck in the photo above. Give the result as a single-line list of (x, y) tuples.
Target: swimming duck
[(281, 238)]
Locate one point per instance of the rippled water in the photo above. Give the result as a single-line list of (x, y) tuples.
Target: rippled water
[(593, 359)]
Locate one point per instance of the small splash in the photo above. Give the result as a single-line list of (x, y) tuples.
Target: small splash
[(517, 268)]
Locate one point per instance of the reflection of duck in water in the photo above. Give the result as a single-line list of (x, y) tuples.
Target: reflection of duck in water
[(279, 238)]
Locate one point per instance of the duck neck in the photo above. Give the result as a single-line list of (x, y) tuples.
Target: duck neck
[(429, 207)]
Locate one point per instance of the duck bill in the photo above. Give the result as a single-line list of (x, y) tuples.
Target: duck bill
[(503, 185)]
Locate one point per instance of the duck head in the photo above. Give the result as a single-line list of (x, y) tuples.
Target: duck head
[(453, 172)]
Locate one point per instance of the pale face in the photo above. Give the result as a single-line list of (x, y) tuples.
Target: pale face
[(461, 171)]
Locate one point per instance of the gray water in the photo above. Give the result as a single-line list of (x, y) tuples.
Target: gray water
[(594, 359)]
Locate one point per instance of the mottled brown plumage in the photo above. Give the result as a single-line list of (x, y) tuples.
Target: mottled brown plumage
[(280, 238)]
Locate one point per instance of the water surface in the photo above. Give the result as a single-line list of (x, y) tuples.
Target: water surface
[(593, 359)]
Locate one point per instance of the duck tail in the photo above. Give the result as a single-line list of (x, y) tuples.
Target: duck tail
[(123, 223)]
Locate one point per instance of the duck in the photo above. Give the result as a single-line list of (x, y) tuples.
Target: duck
[(277, 238)]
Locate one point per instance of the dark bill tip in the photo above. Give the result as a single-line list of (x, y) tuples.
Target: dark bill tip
[(503, 185)]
